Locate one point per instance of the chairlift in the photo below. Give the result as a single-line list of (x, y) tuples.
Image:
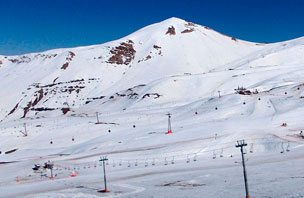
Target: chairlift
[(120, 163), (172, 161), (153, 162), (287, 149), (129, 165), (214, 155), (282, 146), (166, 162), (135, 163), (188, 159), (114, 163), (245, 151), (251, 148), (222, 150), (146, 163), (194, 158)]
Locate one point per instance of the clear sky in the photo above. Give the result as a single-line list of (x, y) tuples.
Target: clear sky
[(38, 25)]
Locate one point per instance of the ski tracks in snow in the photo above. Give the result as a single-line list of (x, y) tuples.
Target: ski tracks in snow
[(137, 189)]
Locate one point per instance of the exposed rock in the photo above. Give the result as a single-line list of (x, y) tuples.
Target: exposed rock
[(156, 95), (45, 56), (14, 109), (148, 57), (69, 58), (38, 98), (65, 110), (187, 31), (123, 54), (190, 24), (27, 108), (156, 47), (171, 31), (21, 59)]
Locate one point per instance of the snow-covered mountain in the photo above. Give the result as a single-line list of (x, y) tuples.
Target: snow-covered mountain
[(218, 88), (151, 56)]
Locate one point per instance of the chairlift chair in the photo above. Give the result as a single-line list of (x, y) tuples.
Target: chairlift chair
[(287, 148), (222, 150), (282, 146), (194, 158), (172, 161)]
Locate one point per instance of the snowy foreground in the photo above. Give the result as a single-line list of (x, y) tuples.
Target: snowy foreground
[(193, 73)]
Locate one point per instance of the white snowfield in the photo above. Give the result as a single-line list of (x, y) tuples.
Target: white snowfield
[(218, 89)]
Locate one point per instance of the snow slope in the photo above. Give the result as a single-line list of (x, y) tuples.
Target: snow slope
[(174, 66)]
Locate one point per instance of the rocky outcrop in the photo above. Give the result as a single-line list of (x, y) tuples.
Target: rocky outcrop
[(68, 59), (187, 31), (171, 31), (122, 54)]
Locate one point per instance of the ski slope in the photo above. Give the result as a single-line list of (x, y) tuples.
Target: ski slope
[(174, 66)]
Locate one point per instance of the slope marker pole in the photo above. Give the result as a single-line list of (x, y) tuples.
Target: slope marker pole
[(169, 123), (97, 118)]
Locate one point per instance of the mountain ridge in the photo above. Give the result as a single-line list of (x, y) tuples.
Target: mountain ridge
[(169, 48)]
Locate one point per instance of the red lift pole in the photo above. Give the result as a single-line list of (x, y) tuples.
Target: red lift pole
[(169, 123)]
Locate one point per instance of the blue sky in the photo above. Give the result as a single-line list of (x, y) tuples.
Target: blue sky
[(37, 25)]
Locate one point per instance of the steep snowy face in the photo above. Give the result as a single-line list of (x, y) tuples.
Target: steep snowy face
[(160, 63), (176, 47)]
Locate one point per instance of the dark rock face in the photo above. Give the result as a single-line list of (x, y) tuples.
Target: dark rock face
[(68, 59), (187, 31), (171, 31), (122, 54)]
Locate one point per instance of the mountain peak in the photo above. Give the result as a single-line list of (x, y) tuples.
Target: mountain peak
[(174, 20)]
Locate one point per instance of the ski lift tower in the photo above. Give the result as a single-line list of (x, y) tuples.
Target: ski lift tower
[(241, 144), (104, 174)]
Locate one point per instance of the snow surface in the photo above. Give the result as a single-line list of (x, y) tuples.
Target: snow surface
[(182, 74)]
